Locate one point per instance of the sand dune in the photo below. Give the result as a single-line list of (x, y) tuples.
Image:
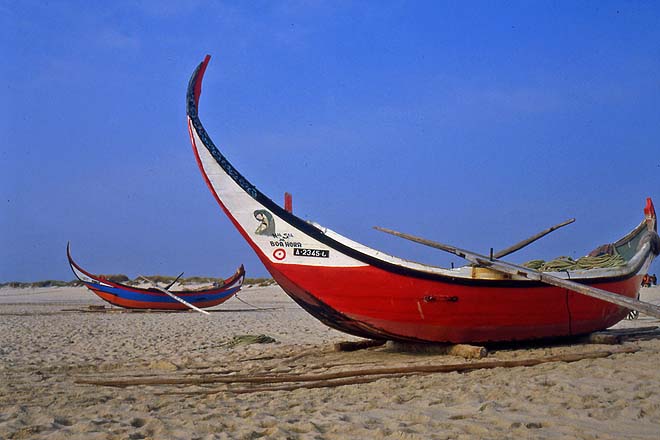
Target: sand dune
[(46, 351)]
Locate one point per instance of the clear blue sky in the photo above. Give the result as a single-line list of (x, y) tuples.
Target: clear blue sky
[(471, 123)]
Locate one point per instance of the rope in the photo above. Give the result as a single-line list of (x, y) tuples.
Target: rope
[(256, 307), (564, 263)]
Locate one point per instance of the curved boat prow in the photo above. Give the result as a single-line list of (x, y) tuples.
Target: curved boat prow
[(649, 213), (78, 271)]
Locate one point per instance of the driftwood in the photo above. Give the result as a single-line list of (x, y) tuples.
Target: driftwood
[(310, 385), (461, 350), (616, 336), (404, 372), (382, 372), (297, 386), (600, 338), (633, 331), (357, 345)]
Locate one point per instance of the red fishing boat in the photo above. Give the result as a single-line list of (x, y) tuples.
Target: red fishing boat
[(157, 298), (365, 292)]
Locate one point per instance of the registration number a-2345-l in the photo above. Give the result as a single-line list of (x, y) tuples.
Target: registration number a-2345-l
[(318, 253)]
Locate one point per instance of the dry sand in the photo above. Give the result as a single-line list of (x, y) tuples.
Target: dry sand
[(45, 350)]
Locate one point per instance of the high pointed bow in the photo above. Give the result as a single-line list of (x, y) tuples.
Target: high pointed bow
[(195, 86)]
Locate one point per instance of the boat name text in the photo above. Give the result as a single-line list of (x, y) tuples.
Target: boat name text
[(293, 244)]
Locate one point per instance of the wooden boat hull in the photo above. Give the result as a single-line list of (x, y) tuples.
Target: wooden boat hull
[(130, 297), (364, 292)]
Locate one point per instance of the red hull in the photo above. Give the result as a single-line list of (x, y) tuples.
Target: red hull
[(383, 305)]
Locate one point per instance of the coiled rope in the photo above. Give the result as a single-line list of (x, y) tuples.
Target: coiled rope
[(565, 263)]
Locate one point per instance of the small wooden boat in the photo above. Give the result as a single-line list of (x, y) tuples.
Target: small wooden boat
[(364, 292), (157, 298)]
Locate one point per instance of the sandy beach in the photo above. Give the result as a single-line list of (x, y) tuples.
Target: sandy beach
[(51, 346)]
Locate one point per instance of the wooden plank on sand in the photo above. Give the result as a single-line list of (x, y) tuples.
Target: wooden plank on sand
[(357, 345), (461, 350)]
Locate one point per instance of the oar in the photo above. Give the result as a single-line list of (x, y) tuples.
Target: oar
[(531, 274), (169, 286), (530, 240), (181, 300)]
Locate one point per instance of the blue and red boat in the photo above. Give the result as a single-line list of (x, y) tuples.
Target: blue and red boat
[(130, 297)]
